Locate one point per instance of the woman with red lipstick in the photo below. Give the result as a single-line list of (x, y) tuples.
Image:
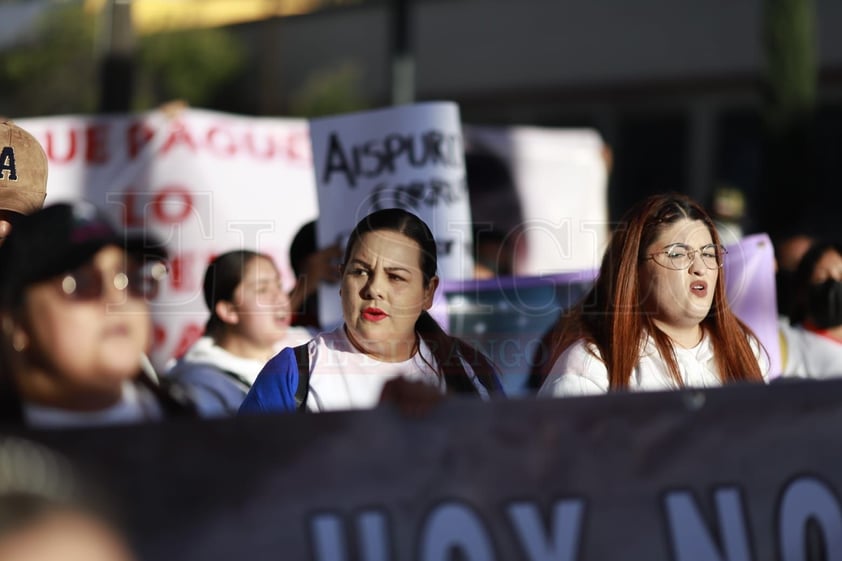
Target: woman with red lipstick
[(657, 317), (76, 323), (387, 286), (249, 321)]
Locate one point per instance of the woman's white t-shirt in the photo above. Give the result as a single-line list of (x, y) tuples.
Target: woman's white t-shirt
[(580, 369), (341, 377)]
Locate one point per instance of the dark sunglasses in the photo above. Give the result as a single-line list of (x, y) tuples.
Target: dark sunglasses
[(87, 283)]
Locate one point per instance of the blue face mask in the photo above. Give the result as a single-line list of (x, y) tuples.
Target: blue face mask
[(824, 304)]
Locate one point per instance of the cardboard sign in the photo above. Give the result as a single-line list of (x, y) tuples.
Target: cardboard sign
[(409, 157)]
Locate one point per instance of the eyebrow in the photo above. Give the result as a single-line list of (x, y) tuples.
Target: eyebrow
[(396, 269), (387, 269), (688, 245)]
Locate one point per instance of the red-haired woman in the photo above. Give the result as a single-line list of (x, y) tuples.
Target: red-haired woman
[(657, 317)]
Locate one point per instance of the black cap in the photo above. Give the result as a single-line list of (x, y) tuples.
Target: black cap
[(60, 238)]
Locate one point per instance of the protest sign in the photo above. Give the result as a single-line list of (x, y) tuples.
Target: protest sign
[(750, 286), (200, 181), (409, 157), (741, 473), (207, 182), (547, 187)]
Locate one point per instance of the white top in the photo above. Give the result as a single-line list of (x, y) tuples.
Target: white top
[(580, 369), (137, 405), (206, 351), (808, 354), (342, 377)]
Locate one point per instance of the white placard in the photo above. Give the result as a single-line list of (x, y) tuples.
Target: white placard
[(411, 157), (557, 194), (207, 182), (203, 182)]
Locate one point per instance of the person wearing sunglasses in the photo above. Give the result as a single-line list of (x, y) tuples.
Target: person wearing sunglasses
[(249, 322), (76, 324), (657, 317)]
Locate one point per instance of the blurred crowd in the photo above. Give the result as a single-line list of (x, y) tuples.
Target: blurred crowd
[(76, 325)]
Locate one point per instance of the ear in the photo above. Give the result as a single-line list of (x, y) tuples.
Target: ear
[(227, 312), (430, 292)]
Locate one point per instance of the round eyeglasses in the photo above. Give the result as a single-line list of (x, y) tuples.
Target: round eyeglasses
[(679, 256)]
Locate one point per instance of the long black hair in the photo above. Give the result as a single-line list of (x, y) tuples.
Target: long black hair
[(448, 351), (222, 277)]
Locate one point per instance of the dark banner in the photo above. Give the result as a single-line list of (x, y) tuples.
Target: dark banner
[(745, 473)]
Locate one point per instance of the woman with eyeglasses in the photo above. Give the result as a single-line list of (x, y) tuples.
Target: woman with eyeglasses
[(76, 323), (656, 317)]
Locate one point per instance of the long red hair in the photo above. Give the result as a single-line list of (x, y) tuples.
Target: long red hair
[(611, 315)]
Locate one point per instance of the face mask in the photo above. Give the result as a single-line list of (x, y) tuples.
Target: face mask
[(824, 304)]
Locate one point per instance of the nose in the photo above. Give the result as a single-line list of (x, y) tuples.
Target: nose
[(697, 265), (373, 289)]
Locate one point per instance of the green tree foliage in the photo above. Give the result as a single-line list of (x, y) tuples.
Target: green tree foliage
[(329, 92), (57, 70), (189, 65), (789, 36), (54, 72)]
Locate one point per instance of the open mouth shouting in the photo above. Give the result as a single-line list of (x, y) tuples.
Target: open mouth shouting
[(699, 288)]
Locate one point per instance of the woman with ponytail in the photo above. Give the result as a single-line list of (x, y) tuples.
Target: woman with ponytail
[(657, 317), (249, 322), (388, 283)]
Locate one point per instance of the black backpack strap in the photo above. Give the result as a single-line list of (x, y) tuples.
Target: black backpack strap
[(302, 358), (173, 398), (235, 377)]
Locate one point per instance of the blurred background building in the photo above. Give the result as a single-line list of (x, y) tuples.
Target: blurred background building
[(738, 104)]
